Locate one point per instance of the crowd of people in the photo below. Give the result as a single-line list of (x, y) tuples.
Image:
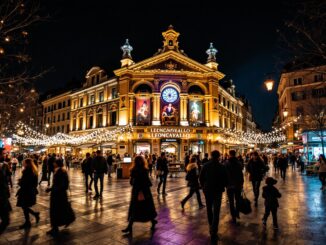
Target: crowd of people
[(212, 174)]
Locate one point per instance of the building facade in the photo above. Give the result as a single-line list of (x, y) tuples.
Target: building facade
[(173, 103), (302, 103)]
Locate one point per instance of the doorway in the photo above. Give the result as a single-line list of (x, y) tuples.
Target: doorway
[(171, 149)]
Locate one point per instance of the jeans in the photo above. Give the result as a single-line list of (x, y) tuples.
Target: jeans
[(234, 194), (269, 210), (213, 206), (255, 188), (162, 181), (88, 186), (96, 178), (191, 192), (283, 173)]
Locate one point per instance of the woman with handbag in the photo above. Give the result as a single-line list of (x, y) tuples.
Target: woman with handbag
[(142, 208), (192, 178), (61, 212), (26, 195)]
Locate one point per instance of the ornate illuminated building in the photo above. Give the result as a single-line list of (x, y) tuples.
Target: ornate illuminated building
[(172, 102)]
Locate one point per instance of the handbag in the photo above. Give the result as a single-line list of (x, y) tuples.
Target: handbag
[(244, 204), (140, 196)]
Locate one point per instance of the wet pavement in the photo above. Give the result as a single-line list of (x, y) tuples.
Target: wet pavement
[(302, 216)]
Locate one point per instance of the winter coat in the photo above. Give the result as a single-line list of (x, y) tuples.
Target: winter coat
[(141, 211), (271, 194), (235, 175), (110, 160), (282, 163), (51, 161), (322, 167), (192, 175), (162, 165), (256, 169), (26, 195), (5, 206), (61, 212), (213, 177), (99, 165), (87, 167)]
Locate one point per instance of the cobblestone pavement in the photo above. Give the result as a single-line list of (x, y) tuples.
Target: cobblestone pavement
[(302, 217)]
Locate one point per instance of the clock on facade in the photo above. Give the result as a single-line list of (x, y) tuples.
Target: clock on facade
[(170, 95)]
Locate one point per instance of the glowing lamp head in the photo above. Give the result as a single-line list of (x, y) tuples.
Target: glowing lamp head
[(269, 83), (285, 113)]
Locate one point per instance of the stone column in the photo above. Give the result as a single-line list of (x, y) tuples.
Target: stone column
[(94, 119), (183, 110), (105, 111), (156, 109), (84, 120), (131, 108), (206, 103)]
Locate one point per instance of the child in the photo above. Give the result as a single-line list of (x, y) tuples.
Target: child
[(270, 194)]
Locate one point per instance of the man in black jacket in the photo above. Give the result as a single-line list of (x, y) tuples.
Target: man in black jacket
[(51, 161), (87, 170), (213, 179), (162, 166), (100, 168), (235, 184), (256, 169)]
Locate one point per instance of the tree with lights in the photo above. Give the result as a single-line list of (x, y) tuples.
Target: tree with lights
[(18, 97)]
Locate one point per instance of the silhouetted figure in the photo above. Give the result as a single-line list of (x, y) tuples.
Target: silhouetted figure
[(271, 194), (87, 170), (283, 165), (162, 166), (213, 179), (5, 206), (142, 208), (322, 171), (61, 212), (51, 161), (235, 184), (256, 169), (100, 168), (44, 170), (26, 195)]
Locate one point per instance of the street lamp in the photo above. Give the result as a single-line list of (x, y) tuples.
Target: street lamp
[(269, 83), (285, 112)]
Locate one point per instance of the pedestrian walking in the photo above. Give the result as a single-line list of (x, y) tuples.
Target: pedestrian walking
[(87, 170), (14, 163), (256, 169), (150, 164), (213, 179), (61, 212), (44, 170), (275, 163), (162, 167), (192, 178), (110, 164), (322, 171), (5, 206), (20, 159), (142, 208), (50, 170), (205, 159), (100, 168), (26, 195), (283, 165), (292, 161), (271, 194), (235, 184)]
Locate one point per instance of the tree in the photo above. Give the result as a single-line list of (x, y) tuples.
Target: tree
[(17, 93)]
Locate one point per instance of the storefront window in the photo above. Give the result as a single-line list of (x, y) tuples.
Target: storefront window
[(142, 148)]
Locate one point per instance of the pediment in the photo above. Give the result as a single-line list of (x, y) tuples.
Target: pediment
[(171, 64)]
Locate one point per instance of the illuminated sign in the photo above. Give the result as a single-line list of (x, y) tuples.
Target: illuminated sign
[(164, 132)]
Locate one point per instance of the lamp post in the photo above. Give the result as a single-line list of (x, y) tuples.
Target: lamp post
[(285, 112), (269, 84)]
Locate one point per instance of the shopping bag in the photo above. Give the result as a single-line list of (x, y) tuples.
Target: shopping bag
[(244, 204)]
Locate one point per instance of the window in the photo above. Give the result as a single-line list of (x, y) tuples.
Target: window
[(225, 123), (320, 92), (319, 77), (59, 105), (299, 111), (54, 107), (224, 102), (101, 96), (97, 79), (58, 129), (93, 80), (114, 93), (63, 116), (297, 81), (298, 95), (44, 110), (90, 123), (68, 102), (228, 105), (67, 130), (80, 123), (48, 108), (219, 99), (62, 129), (92, 99), (64, 104), (74, 124), (113, 118), (232, 106), (75, 104), (68, 115), (48, 120), (54, 119), (59, 118), (99, 120), (81, 102)]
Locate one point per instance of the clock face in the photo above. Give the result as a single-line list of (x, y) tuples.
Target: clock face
[(170, 95)]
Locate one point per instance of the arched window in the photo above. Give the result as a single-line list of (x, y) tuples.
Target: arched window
[(143, 88), (195, 89)]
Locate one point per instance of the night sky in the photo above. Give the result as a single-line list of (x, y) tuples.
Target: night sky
[(82, 34)]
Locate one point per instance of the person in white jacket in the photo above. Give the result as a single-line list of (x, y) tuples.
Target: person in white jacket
[(322, 171)]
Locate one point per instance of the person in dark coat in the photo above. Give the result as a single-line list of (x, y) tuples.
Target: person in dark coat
[(142, 208), (213, 179), (44, 170), (192, 178), (100, 168), (51, 160), (187, 160), (271, 194), (26, 195), (256, 169), (61, 212), (110, 164), (162, 166), (205, 159), (5, 206), (235, 184), (87, 170), (283, 165)]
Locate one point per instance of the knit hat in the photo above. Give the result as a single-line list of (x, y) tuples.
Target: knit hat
[(270, 181)]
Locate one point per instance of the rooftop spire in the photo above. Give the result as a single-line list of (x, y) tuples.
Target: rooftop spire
[(211, 51), (126, 49)]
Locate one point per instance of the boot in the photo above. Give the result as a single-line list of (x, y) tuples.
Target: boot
[(128, 229), (154, 222)]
